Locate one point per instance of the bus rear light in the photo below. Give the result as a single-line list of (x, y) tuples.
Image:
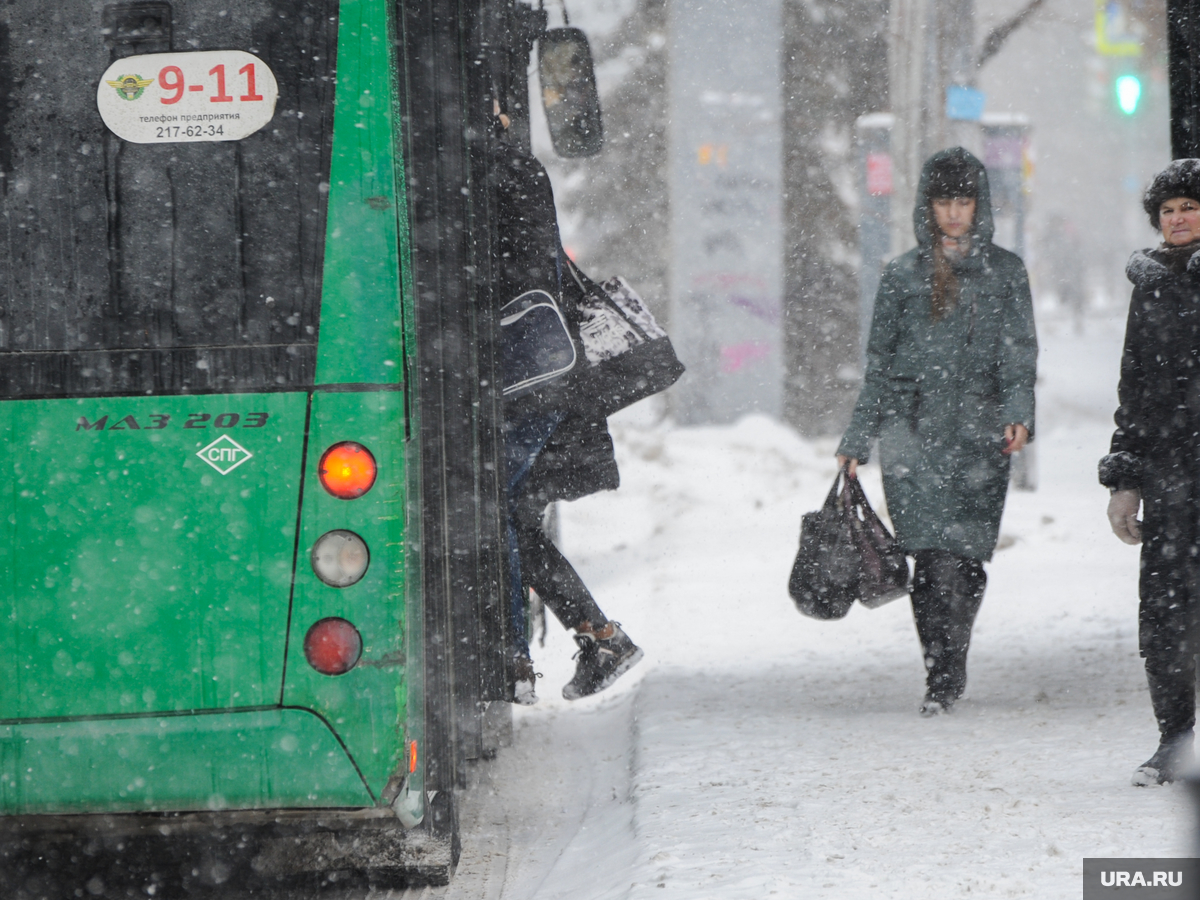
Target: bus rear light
[(340, 558), (412, 757), (347, 470), (333, 646)]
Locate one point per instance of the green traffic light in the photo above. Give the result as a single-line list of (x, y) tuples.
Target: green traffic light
[(1129, 93)]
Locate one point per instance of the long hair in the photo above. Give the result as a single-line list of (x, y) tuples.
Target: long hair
[(944, 295)]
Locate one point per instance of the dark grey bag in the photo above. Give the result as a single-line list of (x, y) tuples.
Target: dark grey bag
[(883, 568), (846, 554)]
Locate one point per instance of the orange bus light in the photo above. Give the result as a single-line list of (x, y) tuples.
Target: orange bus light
[(347, 470)]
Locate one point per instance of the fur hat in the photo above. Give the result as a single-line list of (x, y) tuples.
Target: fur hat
[(1180, 179), (952, 177)]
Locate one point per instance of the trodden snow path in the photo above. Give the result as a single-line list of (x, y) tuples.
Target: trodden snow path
[(766, 754)]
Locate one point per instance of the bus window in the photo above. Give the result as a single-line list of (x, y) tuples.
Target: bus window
[(168, 267)]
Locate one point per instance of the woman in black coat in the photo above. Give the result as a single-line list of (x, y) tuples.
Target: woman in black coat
[(1154, 461)]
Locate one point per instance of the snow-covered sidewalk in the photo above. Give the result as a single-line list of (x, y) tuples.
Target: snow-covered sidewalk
[(757, 753)]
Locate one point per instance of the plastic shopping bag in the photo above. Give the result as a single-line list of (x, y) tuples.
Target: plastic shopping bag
[(846, 554)]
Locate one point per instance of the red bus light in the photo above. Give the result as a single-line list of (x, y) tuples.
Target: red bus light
[(347, 470), (333, 646), (412, 757)]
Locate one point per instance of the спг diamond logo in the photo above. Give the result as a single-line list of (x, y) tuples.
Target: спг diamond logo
[(224, 454)]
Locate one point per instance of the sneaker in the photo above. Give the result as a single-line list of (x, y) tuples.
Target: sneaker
[(601, 662), (1173, 756), (524, 681), (931, 706)]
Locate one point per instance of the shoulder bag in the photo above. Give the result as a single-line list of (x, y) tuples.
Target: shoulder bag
[(627, 355), (535, 342)]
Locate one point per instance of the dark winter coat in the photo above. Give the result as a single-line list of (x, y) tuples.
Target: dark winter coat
[(579, 458), (527, 240), (938, 394), (1156, 446)]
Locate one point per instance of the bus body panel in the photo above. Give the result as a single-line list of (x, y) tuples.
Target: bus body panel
[(154, 583), (368, 704), (244, 760), (360, 330), (147, 548)]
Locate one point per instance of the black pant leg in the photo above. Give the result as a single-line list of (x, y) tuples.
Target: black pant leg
[(947, 592), (548, 572), (967, 596), (930, 615), (1172, 679), (927, 611), (1167, 617)]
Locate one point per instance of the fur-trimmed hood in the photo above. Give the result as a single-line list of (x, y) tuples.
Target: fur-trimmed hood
[(1148, 270)]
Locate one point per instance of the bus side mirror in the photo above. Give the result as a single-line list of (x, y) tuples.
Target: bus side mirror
[(569, 93)]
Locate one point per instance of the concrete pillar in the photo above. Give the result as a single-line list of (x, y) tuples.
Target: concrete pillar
[(725, 207)]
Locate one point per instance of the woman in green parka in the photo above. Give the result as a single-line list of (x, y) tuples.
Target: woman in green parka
[(948, 391)]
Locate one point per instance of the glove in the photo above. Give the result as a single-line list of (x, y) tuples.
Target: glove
[(1122, 515)]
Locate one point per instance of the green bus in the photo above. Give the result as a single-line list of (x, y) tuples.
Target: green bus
[(253, 533)]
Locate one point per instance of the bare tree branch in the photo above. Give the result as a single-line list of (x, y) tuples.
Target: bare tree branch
[(995, 40)]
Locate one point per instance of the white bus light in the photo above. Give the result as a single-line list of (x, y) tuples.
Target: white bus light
[(340, 558)]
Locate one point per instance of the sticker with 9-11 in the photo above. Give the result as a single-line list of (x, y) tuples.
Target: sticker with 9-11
[(207, 95)]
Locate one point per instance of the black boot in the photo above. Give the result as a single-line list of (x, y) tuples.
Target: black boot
[(967, 596), (947, 592), (1172, 681), (1170, 760)]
